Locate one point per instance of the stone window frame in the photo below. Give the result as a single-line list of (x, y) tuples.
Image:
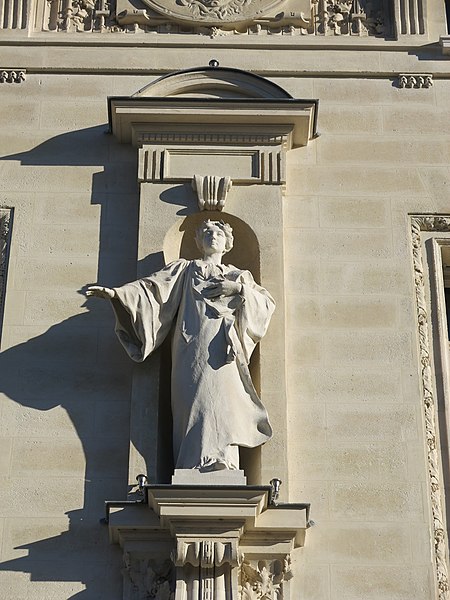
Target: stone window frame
[(433, 361), (6, 218)]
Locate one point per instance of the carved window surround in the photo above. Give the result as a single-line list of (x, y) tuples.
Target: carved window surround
[(208, 542), (5, 237), (434, 370)]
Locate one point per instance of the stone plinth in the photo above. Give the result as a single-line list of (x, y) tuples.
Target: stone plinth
[(207, 542), (195, 477)]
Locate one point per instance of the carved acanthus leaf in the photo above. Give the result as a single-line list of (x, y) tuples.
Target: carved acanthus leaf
[(264, 580)]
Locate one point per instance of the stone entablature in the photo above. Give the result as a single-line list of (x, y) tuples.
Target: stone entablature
[(347, 18)]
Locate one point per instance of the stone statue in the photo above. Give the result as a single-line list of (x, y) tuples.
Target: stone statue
[(220, 314)]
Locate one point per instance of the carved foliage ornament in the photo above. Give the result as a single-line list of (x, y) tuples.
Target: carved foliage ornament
[(418, 224), (148, 579), (264, 580)]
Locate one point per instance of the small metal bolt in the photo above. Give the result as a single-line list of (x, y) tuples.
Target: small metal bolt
[(142, 480), (276, 484), (213, 63)]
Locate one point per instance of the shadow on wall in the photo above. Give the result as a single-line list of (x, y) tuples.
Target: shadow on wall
[(78, 366)]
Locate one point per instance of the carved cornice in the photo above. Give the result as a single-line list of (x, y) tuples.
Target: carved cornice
[(437, 224), (134, 119)]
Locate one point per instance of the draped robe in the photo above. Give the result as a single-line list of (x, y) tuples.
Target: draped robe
[(215, 407)]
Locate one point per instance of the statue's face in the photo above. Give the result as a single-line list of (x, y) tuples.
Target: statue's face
[(213, 240)]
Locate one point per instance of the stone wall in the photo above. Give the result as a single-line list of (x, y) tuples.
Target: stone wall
[(356, 437)]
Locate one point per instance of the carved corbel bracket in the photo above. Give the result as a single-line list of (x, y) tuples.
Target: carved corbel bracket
[(409, 80), (11, 76), (211, 191)]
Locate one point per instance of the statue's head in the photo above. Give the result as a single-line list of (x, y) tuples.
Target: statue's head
[(204, 235)]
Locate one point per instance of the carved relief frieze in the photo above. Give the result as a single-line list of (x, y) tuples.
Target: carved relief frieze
[(220, 17), (348, 17), (424, 80), (213, 11), (11, 76), (438, 224)]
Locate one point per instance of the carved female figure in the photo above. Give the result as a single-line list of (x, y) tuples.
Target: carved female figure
[(220, 314)]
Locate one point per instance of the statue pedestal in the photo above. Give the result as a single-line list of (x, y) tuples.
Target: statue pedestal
[(207, 542), (195, 477)]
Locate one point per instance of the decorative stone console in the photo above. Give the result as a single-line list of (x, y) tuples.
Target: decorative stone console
[(208, 543)]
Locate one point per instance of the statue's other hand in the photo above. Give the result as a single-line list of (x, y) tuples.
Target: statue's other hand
[(100, 291), (224, 288)]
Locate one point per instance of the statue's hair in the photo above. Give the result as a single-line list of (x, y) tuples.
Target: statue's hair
[(225, 227)]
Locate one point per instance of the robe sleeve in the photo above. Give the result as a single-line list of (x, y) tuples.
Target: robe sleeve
[(253, 317), (146, 308)]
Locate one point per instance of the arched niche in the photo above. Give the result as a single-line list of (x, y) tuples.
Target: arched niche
[(179, 242)]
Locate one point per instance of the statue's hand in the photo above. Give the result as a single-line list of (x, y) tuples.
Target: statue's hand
[(224, 288), (100, 291)]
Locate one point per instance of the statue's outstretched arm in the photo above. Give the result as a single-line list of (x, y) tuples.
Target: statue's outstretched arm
[(101, 292)]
